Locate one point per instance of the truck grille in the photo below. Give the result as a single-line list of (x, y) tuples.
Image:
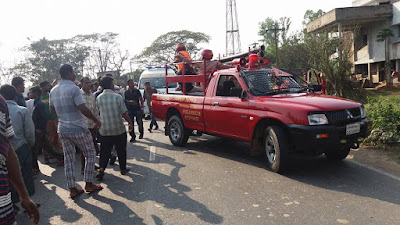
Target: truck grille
[(342, 117)]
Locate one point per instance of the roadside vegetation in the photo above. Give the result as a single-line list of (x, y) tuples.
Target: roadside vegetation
[(383, 109)]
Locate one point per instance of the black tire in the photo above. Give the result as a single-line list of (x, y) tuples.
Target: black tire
[(177, 131), (276, 148), (337, 155)]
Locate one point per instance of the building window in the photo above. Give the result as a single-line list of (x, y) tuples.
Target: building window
[(398, 31), (364, 40)]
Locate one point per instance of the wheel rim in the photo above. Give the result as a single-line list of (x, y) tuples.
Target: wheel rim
[(270, 149), (175, 131)]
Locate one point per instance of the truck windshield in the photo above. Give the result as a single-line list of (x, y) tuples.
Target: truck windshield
[(263, 82)]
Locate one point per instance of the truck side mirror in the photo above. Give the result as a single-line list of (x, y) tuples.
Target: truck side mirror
[(316, 87), (236, 92)]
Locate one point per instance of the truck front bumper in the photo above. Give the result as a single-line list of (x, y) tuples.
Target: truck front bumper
[(316, 140)]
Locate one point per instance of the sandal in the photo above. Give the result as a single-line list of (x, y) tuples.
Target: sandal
[(96, 187), (75, 192)]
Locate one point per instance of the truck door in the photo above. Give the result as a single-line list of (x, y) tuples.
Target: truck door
[(225, 114)]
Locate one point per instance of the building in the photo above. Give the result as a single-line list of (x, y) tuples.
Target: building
[(363, 22)]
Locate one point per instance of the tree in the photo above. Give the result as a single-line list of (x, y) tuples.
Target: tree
[(104, 52), (383, 36), (311, 15), (46, 56), (301, 51), (88, 54), (331, 56), (5, 75), (267, 31), (162, 50)]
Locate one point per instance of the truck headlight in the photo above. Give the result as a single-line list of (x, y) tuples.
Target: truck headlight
[(363, 113), (317, 119)]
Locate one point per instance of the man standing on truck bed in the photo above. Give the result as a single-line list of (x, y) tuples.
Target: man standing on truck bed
[(182, 56), (135, 109)]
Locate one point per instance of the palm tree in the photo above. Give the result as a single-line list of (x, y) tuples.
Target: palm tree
[(383, 36)]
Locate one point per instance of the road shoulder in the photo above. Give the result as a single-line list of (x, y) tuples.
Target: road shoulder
[(376, 158)]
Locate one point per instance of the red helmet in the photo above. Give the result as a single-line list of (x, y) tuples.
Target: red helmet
[(180, 47), (207, 54)]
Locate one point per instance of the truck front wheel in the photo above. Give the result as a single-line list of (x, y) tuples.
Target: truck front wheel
[(276, 148), (177, 132), (338, 155)]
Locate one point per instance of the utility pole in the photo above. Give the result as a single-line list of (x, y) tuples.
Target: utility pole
[(276, 30)]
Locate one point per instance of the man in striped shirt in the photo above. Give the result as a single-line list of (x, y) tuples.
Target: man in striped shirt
[(112, 109), (11, 172)]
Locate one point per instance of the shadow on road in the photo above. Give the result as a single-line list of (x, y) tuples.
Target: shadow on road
[(343, 176), (119, 214), (51, 203), (164, 190)]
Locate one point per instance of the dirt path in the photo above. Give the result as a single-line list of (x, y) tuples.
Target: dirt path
[(376, 158)]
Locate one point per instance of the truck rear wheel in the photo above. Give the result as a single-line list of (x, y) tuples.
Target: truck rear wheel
[(177, 132), (338, 155), (276, 148)]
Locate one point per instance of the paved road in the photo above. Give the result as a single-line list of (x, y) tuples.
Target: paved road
[(217, 183)]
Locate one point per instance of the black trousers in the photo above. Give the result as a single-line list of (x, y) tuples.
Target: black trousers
[(41, 142), (106, 145)]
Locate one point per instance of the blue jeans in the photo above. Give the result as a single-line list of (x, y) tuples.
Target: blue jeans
[(139, 120), (153, 121)]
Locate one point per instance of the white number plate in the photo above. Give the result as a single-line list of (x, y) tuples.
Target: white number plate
[(353, 128)]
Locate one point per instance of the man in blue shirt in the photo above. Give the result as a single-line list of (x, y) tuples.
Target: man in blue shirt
[(23, 140), (10, 173)]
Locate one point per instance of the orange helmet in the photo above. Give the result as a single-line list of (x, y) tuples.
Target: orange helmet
[(207, 54)]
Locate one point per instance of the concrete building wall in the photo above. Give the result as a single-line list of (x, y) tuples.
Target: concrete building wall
[(396, 13), (374, 51), (370, 2)]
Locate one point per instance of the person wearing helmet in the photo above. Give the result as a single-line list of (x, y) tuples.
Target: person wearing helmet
[(183, 57), (211, 65)]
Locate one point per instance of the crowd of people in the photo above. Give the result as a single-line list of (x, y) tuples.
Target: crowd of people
[(58, 120), (64, 117)]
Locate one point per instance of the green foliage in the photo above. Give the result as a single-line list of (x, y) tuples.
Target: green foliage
[(311, 15), (88, 54), (266, 32), (301, 51), (46, 56), (385, 121), (162, 50), (384, 34)]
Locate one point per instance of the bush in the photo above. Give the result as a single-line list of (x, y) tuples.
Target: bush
[(385, 122)]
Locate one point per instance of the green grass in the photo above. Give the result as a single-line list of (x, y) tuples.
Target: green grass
[(390, 96)]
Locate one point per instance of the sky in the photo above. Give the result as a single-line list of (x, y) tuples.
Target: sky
[(140, 22)]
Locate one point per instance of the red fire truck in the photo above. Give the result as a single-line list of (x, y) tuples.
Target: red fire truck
[(267, 107)]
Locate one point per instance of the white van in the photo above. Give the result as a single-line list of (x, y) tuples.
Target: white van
[(156, 76)]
